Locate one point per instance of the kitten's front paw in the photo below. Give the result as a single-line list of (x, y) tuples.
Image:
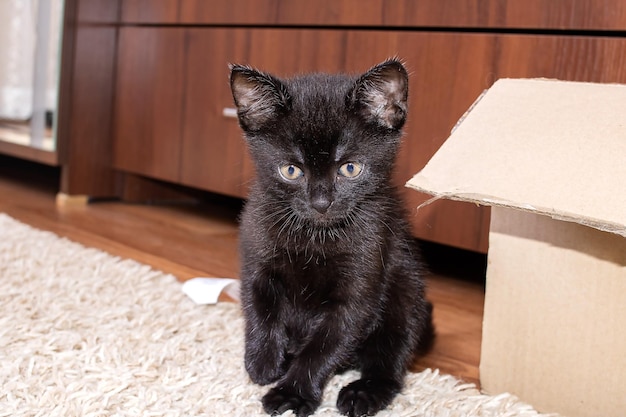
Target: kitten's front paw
[(366, 397), (280, 399), (264, 365)]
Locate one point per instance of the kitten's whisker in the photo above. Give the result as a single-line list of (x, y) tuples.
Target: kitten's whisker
[(287, 217), (281, 219)]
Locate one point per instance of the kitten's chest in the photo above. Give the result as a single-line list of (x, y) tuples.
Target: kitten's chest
[(314, 280)]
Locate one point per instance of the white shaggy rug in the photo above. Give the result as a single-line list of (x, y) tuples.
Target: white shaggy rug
[(83, 333)]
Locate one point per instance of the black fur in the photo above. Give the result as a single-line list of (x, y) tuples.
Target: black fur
[(330, 274)]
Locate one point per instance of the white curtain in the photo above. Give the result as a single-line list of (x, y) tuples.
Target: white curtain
[(18, 33)]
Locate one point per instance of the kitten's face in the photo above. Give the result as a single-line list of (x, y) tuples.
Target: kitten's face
[(322, 144)]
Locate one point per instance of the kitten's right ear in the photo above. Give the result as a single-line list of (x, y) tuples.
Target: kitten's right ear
[(260, 98)]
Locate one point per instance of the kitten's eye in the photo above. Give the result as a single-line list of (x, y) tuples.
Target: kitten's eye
[(290, 172), (351, 169)]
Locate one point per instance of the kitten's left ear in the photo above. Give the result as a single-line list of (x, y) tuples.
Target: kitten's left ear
[(380, 95)]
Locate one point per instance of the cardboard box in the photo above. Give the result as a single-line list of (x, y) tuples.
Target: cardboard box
[(549, 157)]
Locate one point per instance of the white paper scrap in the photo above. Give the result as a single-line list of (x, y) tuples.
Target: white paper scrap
[(206, 290)]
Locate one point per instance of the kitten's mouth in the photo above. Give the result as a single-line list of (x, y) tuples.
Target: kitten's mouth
[(326, 218), (326, 221), (329, 220)]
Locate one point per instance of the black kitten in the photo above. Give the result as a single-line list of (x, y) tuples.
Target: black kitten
[(330, 275)]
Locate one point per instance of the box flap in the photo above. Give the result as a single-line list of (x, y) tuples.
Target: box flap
[(552, 147)]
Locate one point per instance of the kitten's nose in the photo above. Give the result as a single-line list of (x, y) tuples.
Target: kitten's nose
[(321, 203)]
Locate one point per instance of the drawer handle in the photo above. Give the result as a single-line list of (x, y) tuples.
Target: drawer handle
[(229, 112)]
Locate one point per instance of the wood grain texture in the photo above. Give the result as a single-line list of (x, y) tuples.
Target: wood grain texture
[(462, 14), (201, 240), (149, 102), (213, 151), (85, 113), (95, 11), (149, 11), (29, 152), (501, 14), (272, 12)]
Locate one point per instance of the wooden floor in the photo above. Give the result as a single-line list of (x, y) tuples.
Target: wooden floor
[(200, 239)]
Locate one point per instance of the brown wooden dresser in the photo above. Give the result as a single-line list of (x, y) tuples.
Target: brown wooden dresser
[(145, 92)]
